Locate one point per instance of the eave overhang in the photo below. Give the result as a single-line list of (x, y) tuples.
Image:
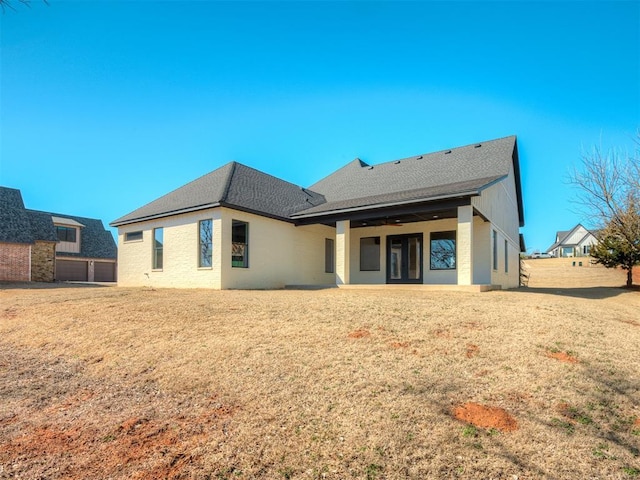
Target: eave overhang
[(120, 223), (421, 206)]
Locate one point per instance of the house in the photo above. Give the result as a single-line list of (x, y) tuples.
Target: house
[(445, 218), (576, 242), (43, 247)]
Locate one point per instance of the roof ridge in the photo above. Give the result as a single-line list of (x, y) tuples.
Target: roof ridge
[(444, 150), (227, 186)]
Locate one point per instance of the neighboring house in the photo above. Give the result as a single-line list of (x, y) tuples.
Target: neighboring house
[(450, 217), (43, 247), (576, 242)]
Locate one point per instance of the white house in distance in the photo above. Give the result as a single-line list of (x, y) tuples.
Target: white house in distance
[(576, 242), (445, 218)]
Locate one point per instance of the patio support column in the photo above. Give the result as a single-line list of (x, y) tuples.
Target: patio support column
[(464, 245), (343, 234)]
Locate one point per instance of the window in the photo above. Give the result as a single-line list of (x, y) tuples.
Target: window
[(158, 245), (443, 250), (132, 236), (370, 254), (329, 255), (239, 244), (506, 257), (586, 249), (66, 234), (205, 243), (495, 250)]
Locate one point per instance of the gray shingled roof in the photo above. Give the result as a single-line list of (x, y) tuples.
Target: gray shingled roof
[(95, 241), (42, 226), (233, 185), (436, 175), (14, 222), (460, 171), (19, 225)]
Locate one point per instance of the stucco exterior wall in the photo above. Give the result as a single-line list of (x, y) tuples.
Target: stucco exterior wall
[(15, 262)]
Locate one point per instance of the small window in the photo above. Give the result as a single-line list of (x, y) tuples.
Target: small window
[(132, 236), (506, 257), (443, 250), (586, 249), (329, 255), (370, 254), (66, 234), (205, 248), (158, 246), (239, 244), (495, 250)]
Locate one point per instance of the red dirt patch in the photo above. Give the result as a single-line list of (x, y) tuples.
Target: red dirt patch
[(637, 422), (472, 350), (359, 333), (563, 357), (442, 333), (399, 344), (485, 417)]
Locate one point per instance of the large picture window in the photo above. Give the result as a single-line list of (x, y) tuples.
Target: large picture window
[(205, 244), (370, 254), (329, 255), (443, 250), (66, 234), (158, 247), (239, 244)]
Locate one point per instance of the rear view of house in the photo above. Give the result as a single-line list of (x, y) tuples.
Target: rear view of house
[(445, 218), (43, 247)]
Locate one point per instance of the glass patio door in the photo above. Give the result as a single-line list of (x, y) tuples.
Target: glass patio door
[(404, 258)]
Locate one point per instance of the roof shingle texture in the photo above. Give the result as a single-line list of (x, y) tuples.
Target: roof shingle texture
[(20, 225), (233, 185), (443, 173), (14, 222), (463, 170), (95, 241)]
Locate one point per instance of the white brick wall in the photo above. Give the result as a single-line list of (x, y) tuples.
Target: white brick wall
[(279, 253)]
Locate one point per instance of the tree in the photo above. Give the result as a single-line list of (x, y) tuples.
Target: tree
[(613, 250), (9, 4), (608, 185)]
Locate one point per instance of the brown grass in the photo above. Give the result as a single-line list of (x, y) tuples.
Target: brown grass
[(136, 383)]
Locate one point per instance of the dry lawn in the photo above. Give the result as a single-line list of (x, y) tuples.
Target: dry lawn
[(146, 384)]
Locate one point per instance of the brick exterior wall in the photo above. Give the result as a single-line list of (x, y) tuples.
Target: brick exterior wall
[(43, 261), (14, 262)]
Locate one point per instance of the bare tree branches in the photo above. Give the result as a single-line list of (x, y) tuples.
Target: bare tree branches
[(608, 190), (11, 4)]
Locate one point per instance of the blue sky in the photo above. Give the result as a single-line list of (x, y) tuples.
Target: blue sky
[(105, 106)]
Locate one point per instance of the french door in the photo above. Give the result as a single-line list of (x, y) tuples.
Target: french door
[(404, 258)]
